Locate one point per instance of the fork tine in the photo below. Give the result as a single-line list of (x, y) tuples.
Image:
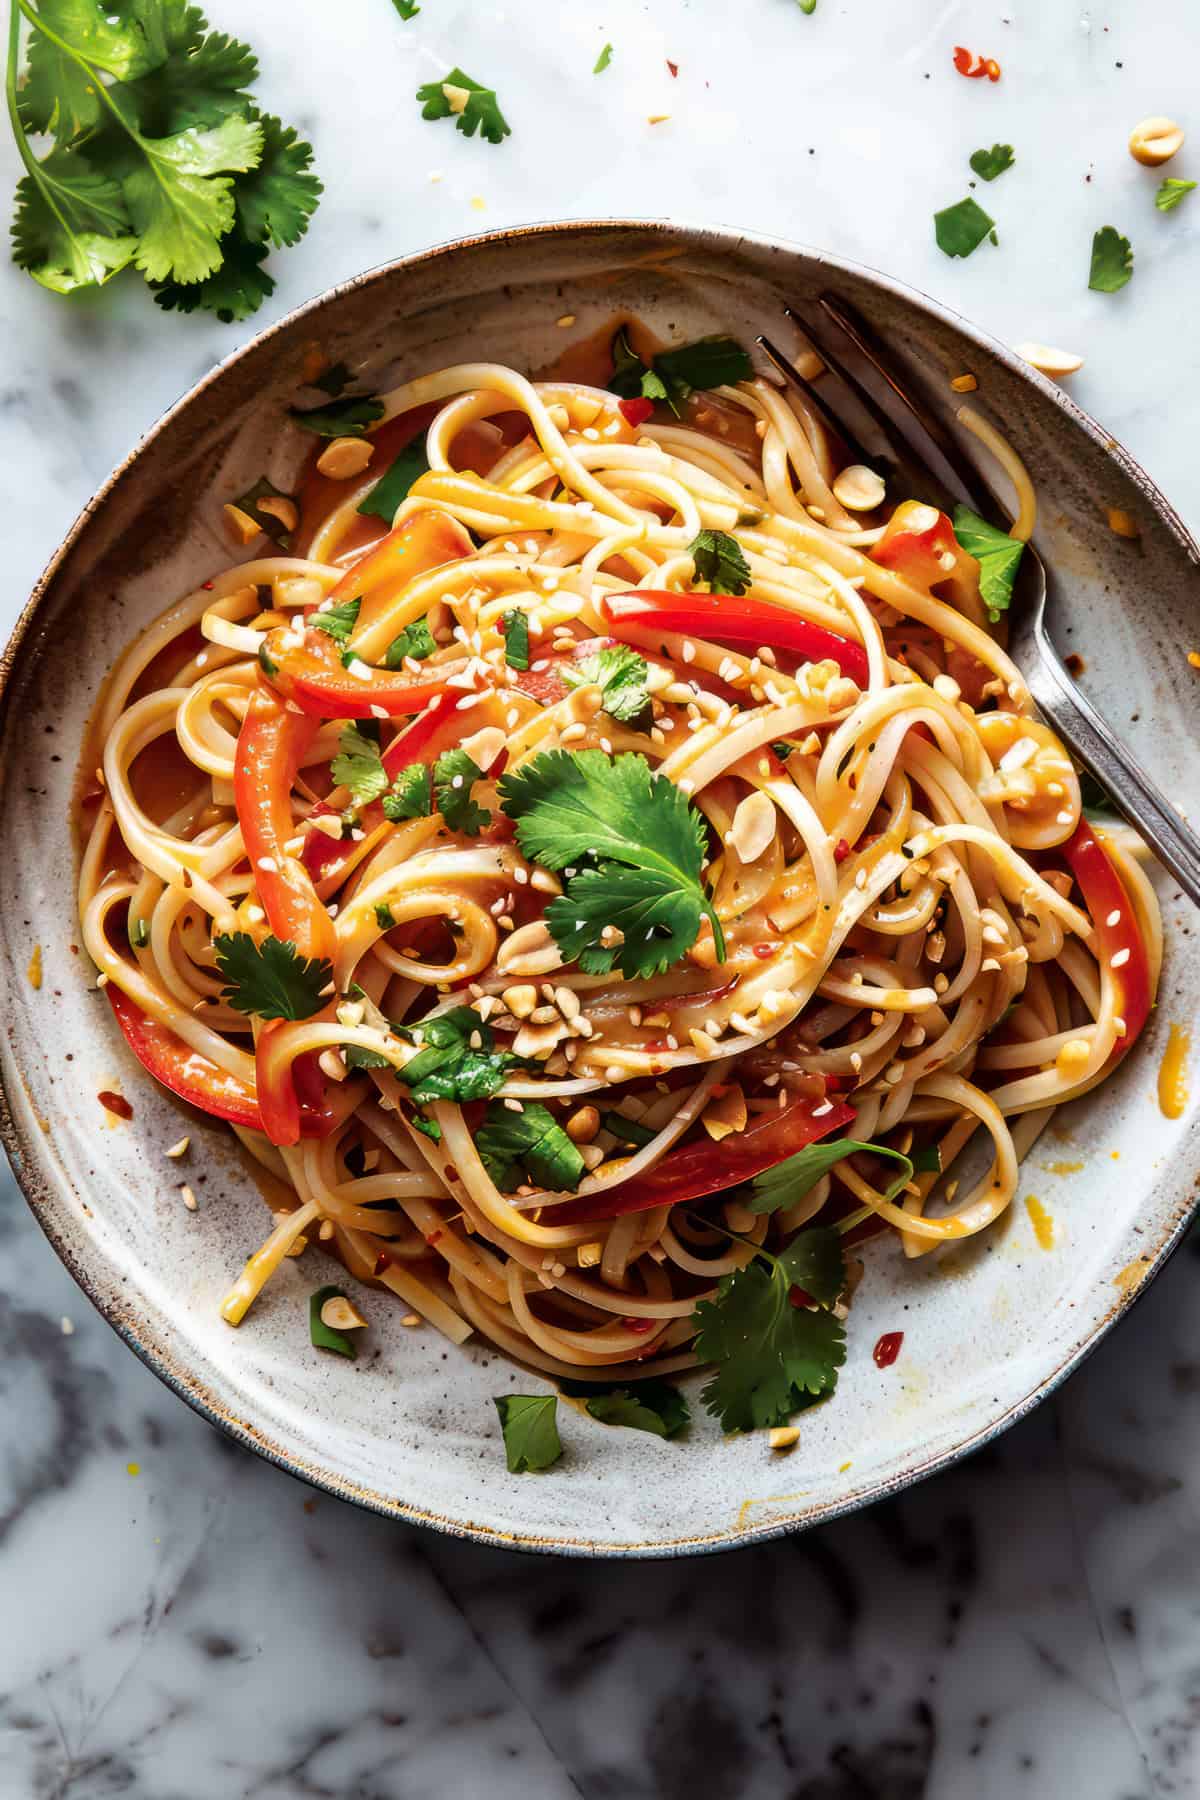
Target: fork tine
[(973, 482), (828, 418)]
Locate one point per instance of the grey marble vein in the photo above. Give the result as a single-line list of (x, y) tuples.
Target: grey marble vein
[(1028, 1624)]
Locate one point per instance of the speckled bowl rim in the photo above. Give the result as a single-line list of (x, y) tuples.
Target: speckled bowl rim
[(21, 1146)]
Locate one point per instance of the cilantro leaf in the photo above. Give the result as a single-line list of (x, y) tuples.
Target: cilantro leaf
[(269, 522), (457, 1058), (383, 916), (962, 228), (787, 1182), (71, 227), (626, 1131), (234, 291), (629, 371), (1112, 261), (411, 796), (708, 363), (807, 7), (357, 1056), (198, 77), (339, 620), (323, 1336), (620, 673), (603, 60), (531, 1440), (271, 980), (406, 8), (345, 417), (454, 775), (1172, 192), (334, 380), (987, 164), (515, 626), (359, 766), (416, 640), (276, 199), (481, 112), (772, 1357), (530, 1144), (719, 559), (572, 806), (997, 554), (655, 1406), (427, 1127), (180, 196), (392, 487)]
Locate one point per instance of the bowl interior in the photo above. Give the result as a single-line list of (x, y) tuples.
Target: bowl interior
[(410, 1427)]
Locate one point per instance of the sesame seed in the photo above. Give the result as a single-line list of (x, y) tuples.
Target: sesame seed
[(1114, 917), (268, 865), (1119, 960)]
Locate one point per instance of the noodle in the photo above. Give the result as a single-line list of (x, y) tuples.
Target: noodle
[(899, 920)]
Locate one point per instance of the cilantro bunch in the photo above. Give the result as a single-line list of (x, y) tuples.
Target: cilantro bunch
[(158, 157)]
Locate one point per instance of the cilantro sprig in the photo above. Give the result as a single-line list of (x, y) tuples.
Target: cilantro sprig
[(1112, 261), (529, 1145), (393, 486), (416, 640), (339, 621), (787, 1182), (620, 674), (654, 1406), (531, 1440), (271, 980), (515, 627), (997, 554), (158, 159), (481, 111), (643, 846), (359, 766), (720, 560), (772, 1357), (348, 415), (675, 374)]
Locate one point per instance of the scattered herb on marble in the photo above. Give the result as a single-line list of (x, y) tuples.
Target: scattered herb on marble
[(962, 228), (1172, 192), (473, 106), (603, 60), (987, 164), (1112, 261), (159, 159)]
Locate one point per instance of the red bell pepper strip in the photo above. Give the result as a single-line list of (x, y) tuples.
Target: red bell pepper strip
[(422, 542), (915, 541), (636, 411), (271, 746), (706, 1168), (315, 679), (184, 1070), (1119, 944), (642, 616)]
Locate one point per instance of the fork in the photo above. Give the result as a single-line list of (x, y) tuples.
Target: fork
[(931, 457)]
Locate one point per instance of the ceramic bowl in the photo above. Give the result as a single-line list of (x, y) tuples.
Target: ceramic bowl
[(410, 1429)]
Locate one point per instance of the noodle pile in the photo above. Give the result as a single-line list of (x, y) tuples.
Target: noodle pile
[(884, 857)]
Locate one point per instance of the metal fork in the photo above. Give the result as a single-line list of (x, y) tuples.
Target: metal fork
[(937, 464)]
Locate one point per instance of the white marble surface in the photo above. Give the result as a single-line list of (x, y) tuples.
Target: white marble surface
[(1024, 1626)]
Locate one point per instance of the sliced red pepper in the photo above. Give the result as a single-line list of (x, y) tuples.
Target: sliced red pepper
[(271, 747), (1119, 944), (185, 1071), (706, 1168), (915, 541), (642, 616), (316, 680), (636, 411), (974, 66), (422, 541)]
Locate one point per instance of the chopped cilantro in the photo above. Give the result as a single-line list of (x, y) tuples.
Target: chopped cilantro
[(324, 1336), (271, 980), (138, 932), (1112, 261), (655, 1406), (772, 1357), (603, 60), (708, 363), (626, 1131), (962, 228), (348, 417), (426, 1126), (997, 554), (359, 766), (457, 1058), (620, 674), (339, 621), (515, 626), (416, 640), (334, 380), (383, 916), (987, 164), (481, 112), (531, 1440), (575, 805), (927, 1160), (719, 559), (454, 775), (1172, 192), (411, 796), (358, 1056), (408, 9), (528, 1145), (384, 499), (787, 1182)]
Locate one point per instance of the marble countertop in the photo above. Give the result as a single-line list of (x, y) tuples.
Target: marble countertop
[(183, 1621)]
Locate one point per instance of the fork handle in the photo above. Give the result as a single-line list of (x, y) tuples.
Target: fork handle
[(1089, 738)]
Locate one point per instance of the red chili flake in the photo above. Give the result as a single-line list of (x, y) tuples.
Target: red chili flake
[(763, 951), (974, 66), (888, 1349), (834, 1084), (635, 412), (674, 67), (115, 1103), (841, 850), (799, 1297), (382, 1261), (435, 1237), (208, 586), (640, 1326)]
